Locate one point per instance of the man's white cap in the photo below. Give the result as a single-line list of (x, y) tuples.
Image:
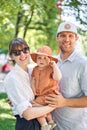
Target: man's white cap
[(67, 27)]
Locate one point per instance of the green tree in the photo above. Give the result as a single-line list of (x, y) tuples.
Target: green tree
[(36, 21)]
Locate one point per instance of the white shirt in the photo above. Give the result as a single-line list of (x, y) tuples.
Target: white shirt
[(18, 88)]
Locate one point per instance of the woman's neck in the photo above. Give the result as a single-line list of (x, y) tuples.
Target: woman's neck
[(25, 68)]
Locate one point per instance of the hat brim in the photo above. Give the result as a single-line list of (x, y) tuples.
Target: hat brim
[(34, 56)]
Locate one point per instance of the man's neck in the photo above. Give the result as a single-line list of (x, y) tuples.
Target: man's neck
[(65, 55)]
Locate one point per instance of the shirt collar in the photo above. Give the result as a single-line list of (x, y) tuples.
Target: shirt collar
[(20, 70), (70, 58)]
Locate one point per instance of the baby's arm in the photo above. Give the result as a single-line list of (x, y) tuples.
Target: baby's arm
[(56, 71), (33, 85)]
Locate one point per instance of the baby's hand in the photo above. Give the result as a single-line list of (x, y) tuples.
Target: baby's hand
[(52, 64)]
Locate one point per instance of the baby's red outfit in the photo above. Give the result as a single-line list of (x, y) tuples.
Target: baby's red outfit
[(44, 83)]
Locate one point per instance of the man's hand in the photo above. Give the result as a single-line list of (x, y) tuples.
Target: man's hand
[(55, 100)]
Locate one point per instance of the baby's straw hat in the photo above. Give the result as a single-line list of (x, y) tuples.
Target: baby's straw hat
[(43, 50)]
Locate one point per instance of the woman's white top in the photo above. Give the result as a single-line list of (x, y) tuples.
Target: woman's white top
[(18, 88)]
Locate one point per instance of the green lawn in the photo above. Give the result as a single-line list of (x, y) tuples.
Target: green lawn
[(7, 120)]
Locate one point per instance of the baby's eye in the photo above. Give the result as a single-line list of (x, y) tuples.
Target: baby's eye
[(39, 57), (45, 58)]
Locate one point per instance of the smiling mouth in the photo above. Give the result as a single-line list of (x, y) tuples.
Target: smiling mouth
[(67, 45), (23, 59)]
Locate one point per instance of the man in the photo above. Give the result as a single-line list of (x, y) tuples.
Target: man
[(71, 102)]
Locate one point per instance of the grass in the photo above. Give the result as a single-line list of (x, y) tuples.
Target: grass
[(7, 120)]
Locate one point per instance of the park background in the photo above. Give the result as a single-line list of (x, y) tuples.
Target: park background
[(36, 21)]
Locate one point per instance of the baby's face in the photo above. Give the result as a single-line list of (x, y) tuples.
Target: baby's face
[(43, 61)]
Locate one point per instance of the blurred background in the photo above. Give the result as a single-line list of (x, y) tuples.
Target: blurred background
[(36, 21)]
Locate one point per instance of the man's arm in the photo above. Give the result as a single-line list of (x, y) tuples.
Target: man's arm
[(58, 101)]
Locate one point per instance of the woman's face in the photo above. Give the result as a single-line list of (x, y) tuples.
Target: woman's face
[(21, 56)]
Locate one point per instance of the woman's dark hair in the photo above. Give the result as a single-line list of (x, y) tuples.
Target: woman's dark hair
[(15, 44)]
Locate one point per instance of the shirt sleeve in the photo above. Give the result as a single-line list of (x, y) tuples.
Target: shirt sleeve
[(14, 89), (83, 78)]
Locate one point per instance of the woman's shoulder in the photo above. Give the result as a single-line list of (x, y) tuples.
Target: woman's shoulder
[(11, 75), (31, 68)]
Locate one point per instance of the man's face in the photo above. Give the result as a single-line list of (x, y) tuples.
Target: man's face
[(67, 41)]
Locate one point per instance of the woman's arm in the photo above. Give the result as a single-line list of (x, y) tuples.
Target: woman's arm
[(34, 112)]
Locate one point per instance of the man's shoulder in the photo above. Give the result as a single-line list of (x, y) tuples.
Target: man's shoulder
[(82, 61), (81, 57)]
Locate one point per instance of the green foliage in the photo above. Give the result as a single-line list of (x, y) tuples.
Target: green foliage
[(26, 19), (84, 44), (7, 120), (76, 8), (35, 21)]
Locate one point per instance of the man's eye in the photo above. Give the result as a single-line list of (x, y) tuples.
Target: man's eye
[(71, 36), (62, 36)]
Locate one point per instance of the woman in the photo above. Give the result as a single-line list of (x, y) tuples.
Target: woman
[(18, 88)]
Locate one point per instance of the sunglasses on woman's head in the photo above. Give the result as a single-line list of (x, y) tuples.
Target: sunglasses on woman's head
[(18, 52)]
